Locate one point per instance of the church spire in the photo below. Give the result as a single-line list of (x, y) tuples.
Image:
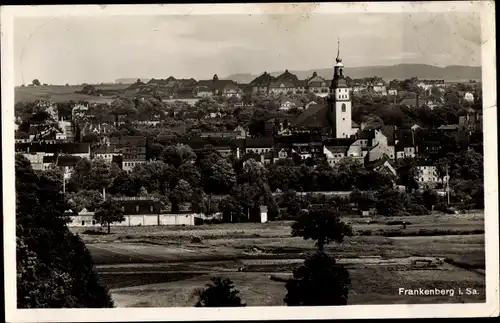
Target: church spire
[(338, 59)]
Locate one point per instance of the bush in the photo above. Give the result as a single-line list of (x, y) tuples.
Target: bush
[(443, 207), (219, 293), (318, 282), (195, 239), (427, 232)]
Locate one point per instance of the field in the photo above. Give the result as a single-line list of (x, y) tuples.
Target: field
[(60, 93), (166, 266)]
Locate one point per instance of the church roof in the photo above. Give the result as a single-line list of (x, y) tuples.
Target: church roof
[(314, 116)]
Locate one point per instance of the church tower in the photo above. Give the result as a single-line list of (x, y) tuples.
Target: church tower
[(339, 102)]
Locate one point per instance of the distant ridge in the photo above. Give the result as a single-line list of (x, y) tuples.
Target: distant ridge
[(131, 80), (452, 73)]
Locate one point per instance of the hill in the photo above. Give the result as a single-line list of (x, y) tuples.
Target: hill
[(453, 73), (130, 80)]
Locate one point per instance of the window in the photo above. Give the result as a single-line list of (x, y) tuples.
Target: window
[(343, 107), (137, 208), (93, 222), (83, 222), (343, 119), (151, 208)]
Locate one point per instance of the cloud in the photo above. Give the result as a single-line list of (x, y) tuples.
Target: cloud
[(97, 49)]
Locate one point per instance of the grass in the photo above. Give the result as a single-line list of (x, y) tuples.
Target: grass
[(60, 93), (263, 249), (368, 286)]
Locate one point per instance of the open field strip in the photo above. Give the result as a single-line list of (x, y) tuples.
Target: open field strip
[(160, 266)]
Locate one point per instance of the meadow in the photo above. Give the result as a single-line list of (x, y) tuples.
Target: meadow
[(166, 266), (61, 93)]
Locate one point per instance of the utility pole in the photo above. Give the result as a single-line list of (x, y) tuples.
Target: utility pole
[(447, 184)]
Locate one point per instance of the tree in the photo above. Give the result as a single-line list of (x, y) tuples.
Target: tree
[(178, 154), (99, 176), (318, 282), (43, 122), (54, 268), (80, 176), (189, 173), (408, 174), (109, 212), (362, 200), (88, 199), (230, 208), (254, 171), (122, 184), (321, 224), (36, 82), (181, 193), (429, 198), (157, 151), (390, 202), (220, 293), (218, 176), (292, 203)]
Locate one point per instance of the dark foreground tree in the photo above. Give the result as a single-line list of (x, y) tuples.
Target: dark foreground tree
[(108, 213), (321, 224), (54, 268), (219, 293), (318, 282)]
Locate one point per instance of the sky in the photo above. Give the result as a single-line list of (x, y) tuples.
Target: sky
[(60, 50)]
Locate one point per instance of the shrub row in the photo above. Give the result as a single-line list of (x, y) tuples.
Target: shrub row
[(421, 232)]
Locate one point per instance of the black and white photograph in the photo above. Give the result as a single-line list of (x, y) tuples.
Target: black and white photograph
[(164, 160)]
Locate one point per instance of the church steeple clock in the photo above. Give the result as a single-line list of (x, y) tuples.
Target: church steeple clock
[(339, 101)]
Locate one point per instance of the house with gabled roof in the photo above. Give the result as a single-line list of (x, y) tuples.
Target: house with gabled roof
[(203, 92), (282, 87), (317, 84), (287, 104), (382, 164), (261, 83), (21, 137), (334, 154), (65, 162), (259, 145)]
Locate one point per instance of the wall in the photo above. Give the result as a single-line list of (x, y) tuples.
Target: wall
[(82, 221), (263, 217), (137, 220)]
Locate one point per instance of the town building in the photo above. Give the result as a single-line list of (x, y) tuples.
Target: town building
[(392, 91), (427, 173), (339, 102), (259, 145), (138, 211), (44, 148), (317, 84), (287, 104), (333, 118), (64, 162), (379, 88)]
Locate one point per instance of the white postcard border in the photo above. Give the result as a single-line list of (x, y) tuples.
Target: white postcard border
[(490, 308)]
